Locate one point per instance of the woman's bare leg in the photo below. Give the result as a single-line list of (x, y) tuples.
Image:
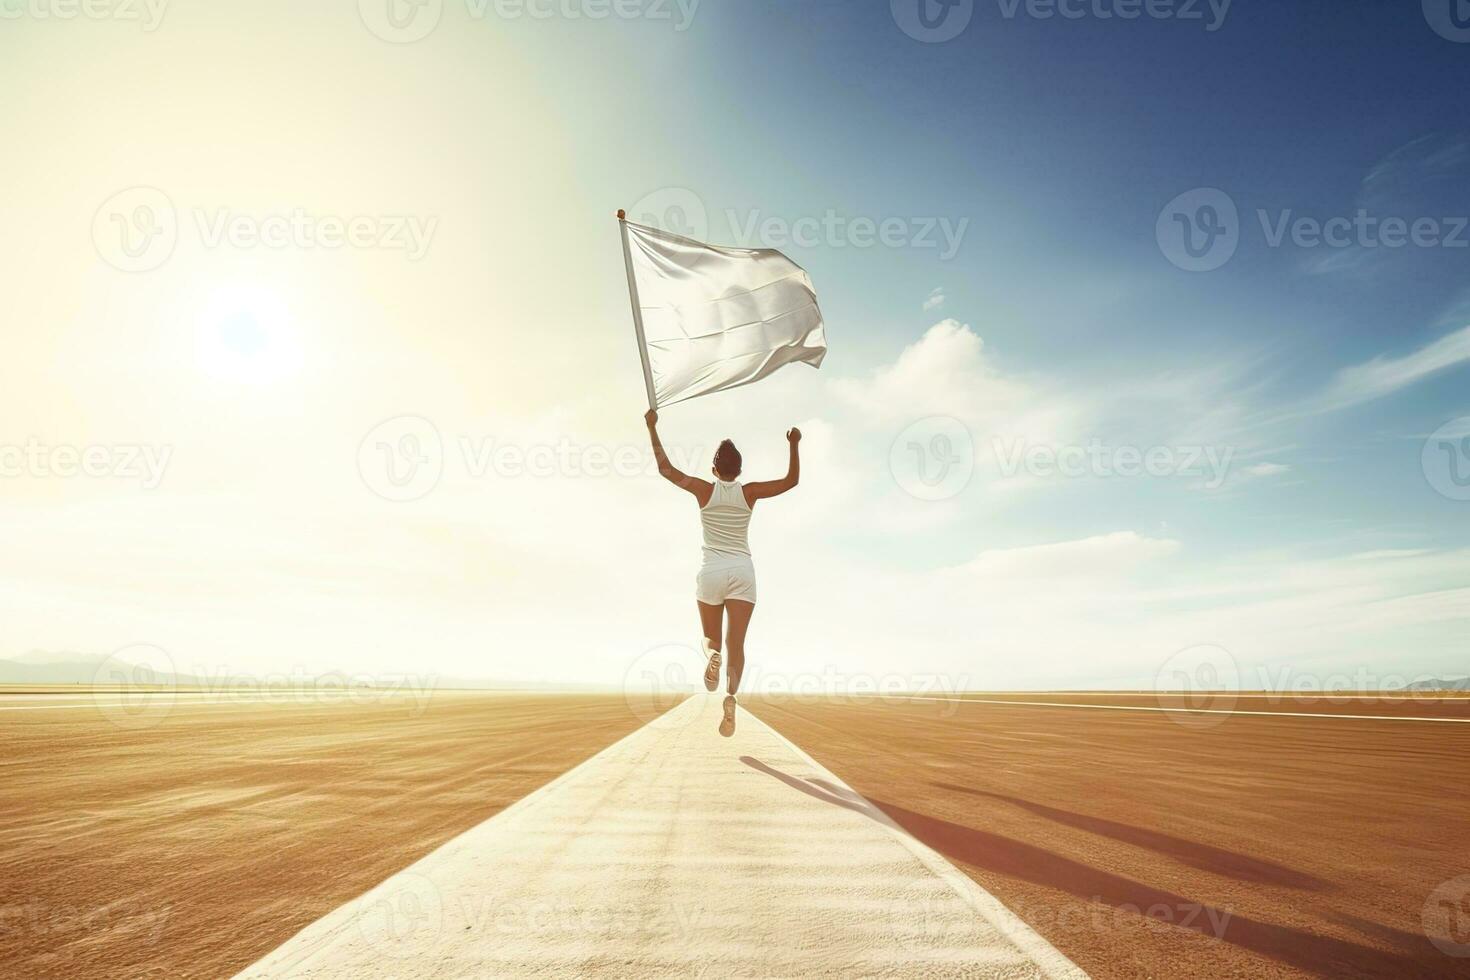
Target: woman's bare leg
[(740, 612), (710, 622)]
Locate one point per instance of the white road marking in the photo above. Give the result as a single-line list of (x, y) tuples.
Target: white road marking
[(1051, 960), (193, 698), (140, 692), (191, 702), (676, 853), (1180, 711), (1460, 696)]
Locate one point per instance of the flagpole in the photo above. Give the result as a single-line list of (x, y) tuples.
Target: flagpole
[(637, 310)]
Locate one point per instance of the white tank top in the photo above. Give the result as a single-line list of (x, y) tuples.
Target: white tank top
[(726, 521)]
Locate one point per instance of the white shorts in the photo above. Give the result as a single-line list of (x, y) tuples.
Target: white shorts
[(721, 579)]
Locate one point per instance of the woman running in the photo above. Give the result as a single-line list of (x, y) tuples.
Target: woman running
[(726, 580)]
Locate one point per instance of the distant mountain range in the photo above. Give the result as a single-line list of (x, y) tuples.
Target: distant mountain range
[(44, 668), (1441, 684)]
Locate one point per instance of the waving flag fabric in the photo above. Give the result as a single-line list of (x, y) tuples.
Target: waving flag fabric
[(716, 318)]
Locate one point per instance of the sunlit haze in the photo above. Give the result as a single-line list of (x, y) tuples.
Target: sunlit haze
[(318, 356)]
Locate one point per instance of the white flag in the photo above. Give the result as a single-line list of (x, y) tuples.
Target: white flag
[(716, 318)]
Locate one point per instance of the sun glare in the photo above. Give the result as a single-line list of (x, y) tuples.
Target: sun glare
[(246, 336)]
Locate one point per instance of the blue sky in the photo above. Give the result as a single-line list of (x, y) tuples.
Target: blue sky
[(1052, 151), (1059, 142), (1062, 141)]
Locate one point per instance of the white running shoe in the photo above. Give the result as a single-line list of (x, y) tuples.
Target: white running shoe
[(712, 669), (727, 727)]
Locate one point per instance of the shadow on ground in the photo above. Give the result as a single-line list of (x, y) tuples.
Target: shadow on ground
[(1216, 860), (998, 854)]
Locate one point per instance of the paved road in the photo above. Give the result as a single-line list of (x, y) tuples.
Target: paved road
[(678, 853)]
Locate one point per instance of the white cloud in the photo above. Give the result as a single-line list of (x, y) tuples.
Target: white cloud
[(934, 299), (1385, 375), (948, 372), (1102, 554)]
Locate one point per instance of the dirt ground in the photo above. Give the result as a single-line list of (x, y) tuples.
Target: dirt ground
[(190, 843), (1154, 844)]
